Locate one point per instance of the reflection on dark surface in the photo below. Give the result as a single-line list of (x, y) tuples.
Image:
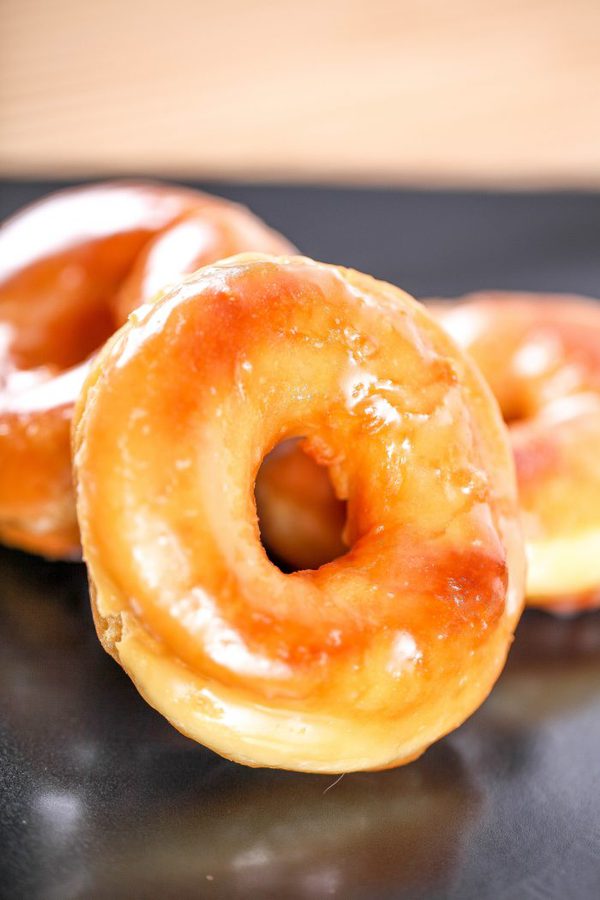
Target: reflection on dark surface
[(552, 674), (103, 798), (553, 667), (276, 834)]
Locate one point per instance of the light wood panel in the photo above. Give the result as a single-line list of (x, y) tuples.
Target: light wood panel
[(460, 91)]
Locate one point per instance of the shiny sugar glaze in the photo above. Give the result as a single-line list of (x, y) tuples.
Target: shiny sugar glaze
[(541, 357), (72, 266), (361, 663)]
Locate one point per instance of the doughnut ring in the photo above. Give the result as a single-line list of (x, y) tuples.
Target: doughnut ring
[(541, 356), (72, 267), (364, 662)]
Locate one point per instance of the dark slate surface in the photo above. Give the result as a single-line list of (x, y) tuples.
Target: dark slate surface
[(100, 798)]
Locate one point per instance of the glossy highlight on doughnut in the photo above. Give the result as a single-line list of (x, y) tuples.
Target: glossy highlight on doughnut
[(541, 356), (72, 267), (365, 661)]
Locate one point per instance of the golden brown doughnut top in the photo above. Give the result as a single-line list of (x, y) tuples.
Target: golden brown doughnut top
[(347, 666)]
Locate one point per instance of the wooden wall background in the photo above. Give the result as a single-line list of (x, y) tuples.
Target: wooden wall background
[(451, 91)]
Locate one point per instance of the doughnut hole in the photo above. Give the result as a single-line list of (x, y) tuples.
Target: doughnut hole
[(531, 351), (301, 519)]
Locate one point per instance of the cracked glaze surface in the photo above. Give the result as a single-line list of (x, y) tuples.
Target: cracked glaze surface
[(359, 664)]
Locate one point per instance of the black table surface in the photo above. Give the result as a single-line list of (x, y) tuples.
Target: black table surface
[(101, 798)]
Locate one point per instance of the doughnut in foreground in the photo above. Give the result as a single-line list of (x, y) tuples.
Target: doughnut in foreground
[(541, 356), (364, 662), (72, 266)]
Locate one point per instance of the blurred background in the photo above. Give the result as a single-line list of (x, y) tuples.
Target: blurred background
[(423, 92)]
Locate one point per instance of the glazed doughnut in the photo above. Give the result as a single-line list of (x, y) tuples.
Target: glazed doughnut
[(72, 266), (541, 356), (364, 662)]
